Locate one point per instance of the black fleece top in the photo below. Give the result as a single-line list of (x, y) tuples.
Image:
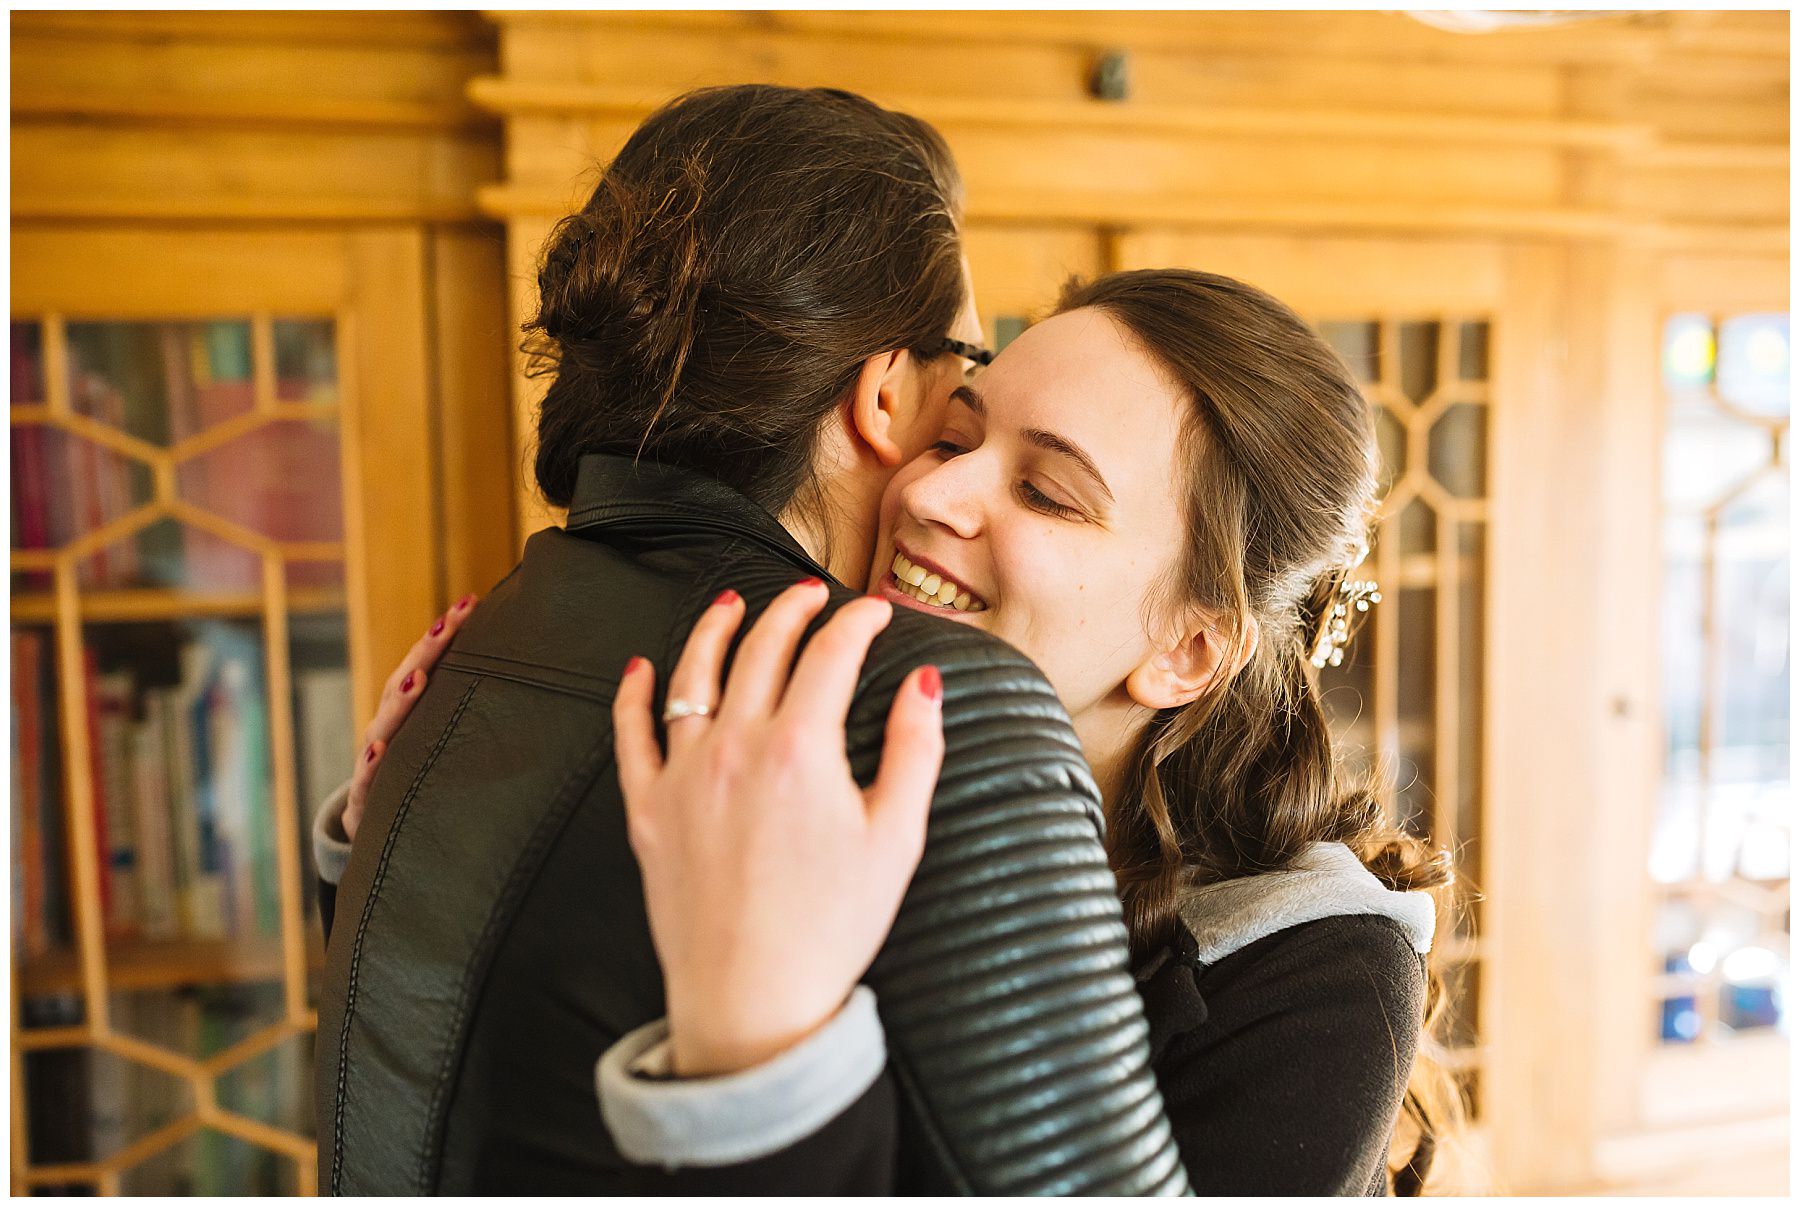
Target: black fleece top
[(1282, 1066)]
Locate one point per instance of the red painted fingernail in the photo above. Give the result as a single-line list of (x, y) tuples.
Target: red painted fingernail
[(727, 596), (810, 582), (370, 757), (437, 628), (931, 683), (406, 683), (464, 602), (634, 665)]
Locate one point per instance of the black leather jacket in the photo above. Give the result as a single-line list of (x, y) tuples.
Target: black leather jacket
[(491, 942)]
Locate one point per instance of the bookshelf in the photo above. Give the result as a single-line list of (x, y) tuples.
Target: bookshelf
[(196, 622)]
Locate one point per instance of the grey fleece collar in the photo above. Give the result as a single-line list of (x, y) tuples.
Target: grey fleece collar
[(1328, 881)]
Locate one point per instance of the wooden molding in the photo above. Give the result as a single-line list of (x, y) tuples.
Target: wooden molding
[(406, 29), (507, 201), (254, 110), (510, 97), (1631, 38)]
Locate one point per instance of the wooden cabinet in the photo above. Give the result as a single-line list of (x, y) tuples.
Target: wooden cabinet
[(215, 441), (257, 432)]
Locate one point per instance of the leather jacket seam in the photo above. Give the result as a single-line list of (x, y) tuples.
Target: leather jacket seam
[(469, 664), (362, 924), (566, 800)]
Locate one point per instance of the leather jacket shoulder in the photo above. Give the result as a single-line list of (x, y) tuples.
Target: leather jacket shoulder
[(491, 943)]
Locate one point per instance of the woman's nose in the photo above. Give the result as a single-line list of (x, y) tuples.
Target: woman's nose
[(949, 496)]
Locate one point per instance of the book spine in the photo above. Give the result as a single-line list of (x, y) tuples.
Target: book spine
[(184, 825), (58, 930), (213, 913), (156, 848), (27, 806), (114, 699), (259, 797), (96, 773)]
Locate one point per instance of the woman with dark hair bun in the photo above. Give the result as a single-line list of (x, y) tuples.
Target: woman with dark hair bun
[(755, 320)]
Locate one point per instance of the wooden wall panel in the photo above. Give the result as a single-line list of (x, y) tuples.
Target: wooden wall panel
[(1121, 168), (91, 69), (76, 169), (472, 332)]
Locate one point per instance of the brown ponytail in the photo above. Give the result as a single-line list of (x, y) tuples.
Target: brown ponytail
[(1282, 462)]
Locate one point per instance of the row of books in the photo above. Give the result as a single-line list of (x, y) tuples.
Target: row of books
[(181, 777), (86, 1105)]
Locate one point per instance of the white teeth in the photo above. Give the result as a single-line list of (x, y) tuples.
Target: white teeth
[(930, 588)]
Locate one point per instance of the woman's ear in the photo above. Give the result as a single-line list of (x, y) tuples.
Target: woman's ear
[(1191, 666), (875, 402)]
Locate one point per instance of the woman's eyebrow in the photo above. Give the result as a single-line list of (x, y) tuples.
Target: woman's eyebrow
[(1051, 442), (969, 398)]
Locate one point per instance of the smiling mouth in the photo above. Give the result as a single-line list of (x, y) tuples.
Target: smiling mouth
[(931, 589)]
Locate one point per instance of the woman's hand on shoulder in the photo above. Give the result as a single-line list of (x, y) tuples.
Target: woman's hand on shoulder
[(771, 879), (398, 695)]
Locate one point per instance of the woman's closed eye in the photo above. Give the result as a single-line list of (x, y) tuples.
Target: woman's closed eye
[(949, 448), (1037, 500)]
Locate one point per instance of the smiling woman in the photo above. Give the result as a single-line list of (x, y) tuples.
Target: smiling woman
[(1013, 504), (1157, 494)]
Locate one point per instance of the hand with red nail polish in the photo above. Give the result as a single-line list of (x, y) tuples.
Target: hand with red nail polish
[(402, 691), (752, 822)]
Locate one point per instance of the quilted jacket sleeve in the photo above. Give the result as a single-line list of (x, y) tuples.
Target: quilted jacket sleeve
[(1012, 1018)]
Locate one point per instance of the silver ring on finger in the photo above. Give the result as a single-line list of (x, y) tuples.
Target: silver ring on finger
[(677, 709)]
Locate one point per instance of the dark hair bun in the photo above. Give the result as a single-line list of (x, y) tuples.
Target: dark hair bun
[(620, 283), (741, 257)]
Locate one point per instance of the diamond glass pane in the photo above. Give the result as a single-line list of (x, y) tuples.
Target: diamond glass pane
[(64, 486), (1753, 363), (1419, 360), (161, 382), (282, 480), (1359, 345), (325, 731), (1390, 434), (1418, 529), (168, 554), (185, 794), (212, 1163), (274, 1087), (1689, 352), (1472, 352), (1709, 453), (60, 1117), (306, 361), (1458, 450), (1417, 786), (27, 364)]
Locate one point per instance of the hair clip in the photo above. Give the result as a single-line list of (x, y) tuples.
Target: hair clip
[(1354, 596)]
